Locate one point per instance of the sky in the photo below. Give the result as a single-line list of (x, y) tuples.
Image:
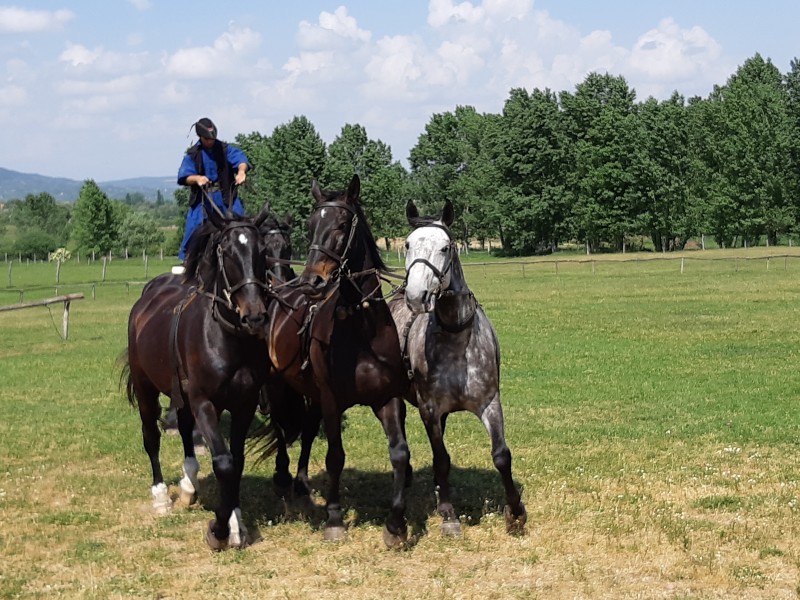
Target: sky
[(110, 89)]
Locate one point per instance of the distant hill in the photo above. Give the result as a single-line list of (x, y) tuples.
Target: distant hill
[(16, 185)]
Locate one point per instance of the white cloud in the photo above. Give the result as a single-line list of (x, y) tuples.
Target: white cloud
[(441, 12), (20, 20), (333, 30), (78, 55), (670, 53), (220, 59)]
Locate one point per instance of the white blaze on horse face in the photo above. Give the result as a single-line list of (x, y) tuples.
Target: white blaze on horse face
[(422, 282), (242, 239)]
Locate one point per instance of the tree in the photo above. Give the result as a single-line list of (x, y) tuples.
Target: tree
[(382, 180), (41, 213), (667, 215), (532, 156), (285, 165), (608, 141), (94, 226), (446, 163), (138, 232)]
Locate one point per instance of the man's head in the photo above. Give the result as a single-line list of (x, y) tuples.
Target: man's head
[(206, 130)]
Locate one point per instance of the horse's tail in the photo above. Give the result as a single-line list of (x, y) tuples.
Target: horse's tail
[(125, 379), (264, 438)]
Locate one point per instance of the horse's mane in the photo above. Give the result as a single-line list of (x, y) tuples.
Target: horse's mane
[(196, 250), (424, 221), (363, 232)]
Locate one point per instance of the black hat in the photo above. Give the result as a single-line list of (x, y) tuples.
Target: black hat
[(205, 128)]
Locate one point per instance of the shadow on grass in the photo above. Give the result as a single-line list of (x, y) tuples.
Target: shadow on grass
[(366, 498)]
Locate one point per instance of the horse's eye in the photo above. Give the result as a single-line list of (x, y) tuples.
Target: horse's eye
[(407, 246), (445, 249)]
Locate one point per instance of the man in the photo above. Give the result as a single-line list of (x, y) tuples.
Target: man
[(213, 169)]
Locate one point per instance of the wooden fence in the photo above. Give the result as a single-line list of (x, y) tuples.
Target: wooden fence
[(66, 299)]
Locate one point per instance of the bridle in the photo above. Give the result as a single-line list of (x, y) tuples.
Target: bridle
[(229, 289), (340, 259), (276, 262), (440, 275)]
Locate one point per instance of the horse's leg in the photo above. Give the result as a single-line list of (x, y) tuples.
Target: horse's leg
[(334, 464), (282, 478), (434, 425), (207, 422), (492, 418), (189, 482), (240, 423), (308, 434), (150, 412), (393, 418)]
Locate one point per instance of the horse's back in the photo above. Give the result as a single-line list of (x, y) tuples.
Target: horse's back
[(149, 325)]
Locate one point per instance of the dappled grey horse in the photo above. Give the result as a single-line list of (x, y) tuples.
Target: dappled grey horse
[(452, 354)]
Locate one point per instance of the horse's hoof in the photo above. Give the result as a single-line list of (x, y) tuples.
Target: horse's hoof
[(162, 503), (451, 528), (335, 533), (216, 544), (394, 541), (187, 498), (282, 491), (515, 524)]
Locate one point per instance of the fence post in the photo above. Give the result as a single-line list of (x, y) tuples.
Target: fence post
[(58, 272), (10, 265), (682, 259), (104, 270)]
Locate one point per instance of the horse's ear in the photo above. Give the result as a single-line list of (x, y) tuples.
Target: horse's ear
[(354, 189), (448, 213), (262, 216), (411, 210), (315, 191)]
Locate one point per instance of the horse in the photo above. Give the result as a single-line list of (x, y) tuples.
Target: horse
[(332, 339), (200, 342), (452, 356)]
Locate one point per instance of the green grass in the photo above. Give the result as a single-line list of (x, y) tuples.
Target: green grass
[(651, 415)]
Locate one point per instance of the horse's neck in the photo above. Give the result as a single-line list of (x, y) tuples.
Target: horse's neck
[(455, 308)]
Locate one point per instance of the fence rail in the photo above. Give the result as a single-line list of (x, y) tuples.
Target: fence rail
[(66, 299)]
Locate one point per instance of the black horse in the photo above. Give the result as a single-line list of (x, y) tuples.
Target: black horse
[(452, 353), (200, 342), (332, 339)]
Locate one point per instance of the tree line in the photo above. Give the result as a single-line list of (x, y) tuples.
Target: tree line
[(592, 166)]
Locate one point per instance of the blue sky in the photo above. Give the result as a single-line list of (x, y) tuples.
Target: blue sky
[(109, 90)]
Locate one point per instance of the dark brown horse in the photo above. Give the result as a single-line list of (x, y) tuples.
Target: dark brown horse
[(333, 340), (453, 354), (200, 342)]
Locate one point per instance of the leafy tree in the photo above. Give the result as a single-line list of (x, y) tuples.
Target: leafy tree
[(138, 232), (34, 243), (382, 181), (41, 213), (285, 164), (446, 163), (667, 214), (608, 141), (532, 156), (94, 225)]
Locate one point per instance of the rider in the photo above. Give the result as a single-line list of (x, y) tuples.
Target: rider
[(212, 168)]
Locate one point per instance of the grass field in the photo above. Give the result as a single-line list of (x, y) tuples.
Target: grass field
[(650, 412)]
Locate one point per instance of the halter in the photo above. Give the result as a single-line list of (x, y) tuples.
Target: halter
[(340, 259)]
